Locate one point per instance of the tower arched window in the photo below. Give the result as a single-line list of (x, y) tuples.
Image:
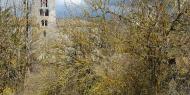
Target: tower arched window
[(44, 3), (44, 23)]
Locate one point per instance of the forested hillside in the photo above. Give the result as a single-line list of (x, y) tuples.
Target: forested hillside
[(130, 47)]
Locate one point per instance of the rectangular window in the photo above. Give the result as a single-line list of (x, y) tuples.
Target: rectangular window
[(41, 12), (47, 12)]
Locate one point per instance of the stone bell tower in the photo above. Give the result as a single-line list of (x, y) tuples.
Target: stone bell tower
[(44, 13), (44, 16)]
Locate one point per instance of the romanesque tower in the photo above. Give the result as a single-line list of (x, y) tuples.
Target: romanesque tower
[(44, 13)]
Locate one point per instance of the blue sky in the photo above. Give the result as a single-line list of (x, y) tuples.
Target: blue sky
[(67, 8)]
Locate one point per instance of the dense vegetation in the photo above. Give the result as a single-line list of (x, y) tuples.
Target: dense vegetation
[(142, 48), (12, 52)]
